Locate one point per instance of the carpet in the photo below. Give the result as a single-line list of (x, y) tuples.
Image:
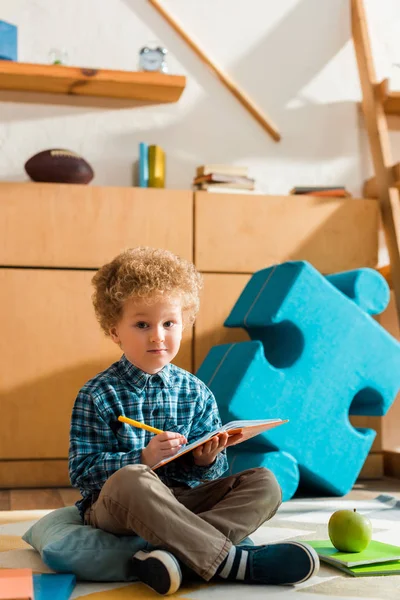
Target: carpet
[(297, 519)]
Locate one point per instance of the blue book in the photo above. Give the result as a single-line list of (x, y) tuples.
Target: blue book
[(53, 587), (143, 165)]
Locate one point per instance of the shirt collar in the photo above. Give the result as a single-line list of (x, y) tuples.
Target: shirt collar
[(139, 377)]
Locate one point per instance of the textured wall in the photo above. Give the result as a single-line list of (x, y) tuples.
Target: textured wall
[(294, 58)]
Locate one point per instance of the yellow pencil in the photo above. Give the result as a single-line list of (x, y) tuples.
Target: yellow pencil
[(139, 424)]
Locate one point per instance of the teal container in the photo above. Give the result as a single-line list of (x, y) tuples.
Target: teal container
[(8, 41)]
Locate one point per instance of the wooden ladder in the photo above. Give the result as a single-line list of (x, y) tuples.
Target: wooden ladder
[(377, 103)]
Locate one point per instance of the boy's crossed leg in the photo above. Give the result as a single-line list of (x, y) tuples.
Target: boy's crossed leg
[(200, 527)]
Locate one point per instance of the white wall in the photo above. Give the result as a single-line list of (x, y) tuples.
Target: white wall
[(294, 58)]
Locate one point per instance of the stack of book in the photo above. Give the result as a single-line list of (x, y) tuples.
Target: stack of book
[(151, 166), (21, 584), (335, 191), (377, 559), (223, 178)]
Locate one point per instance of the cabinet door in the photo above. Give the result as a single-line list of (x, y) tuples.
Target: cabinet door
[(61, 225), (219, 297), (391, 433), (236, 233), (51, 344)]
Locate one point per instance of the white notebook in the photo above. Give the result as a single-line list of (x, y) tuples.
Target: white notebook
[(248, 428)]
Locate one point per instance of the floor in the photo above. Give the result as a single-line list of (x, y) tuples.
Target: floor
[(37, 499), (46, 498), (304, 519)]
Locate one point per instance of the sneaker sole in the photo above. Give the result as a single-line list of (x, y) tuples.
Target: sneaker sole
[(314, 560), (168, 579)]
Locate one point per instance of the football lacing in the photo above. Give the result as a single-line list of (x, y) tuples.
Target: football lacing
[(68, 153)]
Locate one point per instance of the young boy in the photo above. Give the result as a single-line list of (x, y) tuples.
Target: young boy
[(195, 518)]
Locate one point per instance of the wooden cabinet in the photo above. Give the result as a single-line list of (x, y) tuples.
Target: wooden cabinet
[(51, 343), (54, 237), (391, 431)]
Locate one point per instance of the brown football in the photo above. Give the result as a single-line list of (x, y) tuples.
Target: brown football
[(59, 166)]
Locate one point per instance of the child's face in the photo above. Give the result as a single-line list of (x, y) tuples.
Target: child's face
[(150, 334)]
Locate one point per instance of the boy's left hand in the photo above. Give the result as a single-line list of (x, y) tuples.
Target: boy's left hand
[(206, 454)]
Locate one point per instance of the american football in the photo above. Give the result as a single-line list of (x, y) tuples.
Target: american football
[(59, 166)]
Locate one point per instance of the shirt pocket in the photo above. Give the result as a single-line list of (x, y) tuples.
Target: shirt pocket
[(131, 438), (171, 425)]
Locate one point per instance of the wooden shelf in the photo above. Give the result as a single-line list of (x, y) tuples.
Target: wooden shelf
[(390, 99), (370, 189), (392, 103), (385, 271), (136, 87)]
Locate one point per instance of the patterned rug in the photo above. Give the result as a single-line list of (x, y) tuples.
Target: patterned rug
[(296, 519)]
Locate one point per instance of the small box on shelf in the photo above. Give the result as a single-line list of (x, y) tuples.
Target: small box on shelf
[(8, 41)]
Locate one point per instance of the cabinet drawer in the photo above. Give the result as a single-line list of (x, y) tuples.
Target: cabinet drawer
[(53, 225), (51, 344), (242, 234)]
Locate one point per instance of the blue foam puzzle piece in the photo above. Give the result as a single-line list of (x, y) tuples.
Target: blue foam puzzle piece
[(367, 288), (316, 356)]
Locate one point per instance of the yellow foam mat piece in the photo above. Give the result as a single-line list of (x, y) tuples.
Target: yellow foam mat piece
[(12, 542), (138, 591), (17, 516)]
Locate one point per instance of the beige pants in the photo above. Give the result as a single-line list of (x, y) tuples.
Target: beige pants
[(198, 525)]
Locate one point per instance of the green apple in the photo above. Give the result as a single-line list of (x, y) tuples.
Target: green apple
[(349, 531)]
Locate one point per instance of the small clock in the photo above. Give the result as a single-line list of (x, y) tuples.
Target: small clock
[(153, 59)]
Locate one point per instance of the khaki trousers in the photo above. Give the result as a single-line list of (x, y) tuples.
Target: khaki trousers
[(198, 525)]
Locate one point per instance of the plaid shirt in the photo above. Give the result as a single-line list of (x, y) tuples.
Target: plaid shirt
[(171, 400)]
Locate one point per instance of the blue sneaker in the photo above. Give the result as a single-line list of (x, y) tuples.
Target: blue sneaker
[(159, 569), (283, 563)]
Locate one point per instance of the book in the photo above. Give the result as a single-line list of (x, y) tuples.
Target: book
[(213, 186), (222, 178), (374, 570), (375, 553), (16, 584), (143, 165), (248, 428), (53, 587), (156, 166), (224, 190), (328, 194), (221, 169), (334, 192), (314, 188)]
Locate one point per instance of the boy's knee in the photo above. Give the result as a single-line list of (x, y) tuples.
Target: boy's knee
[(271, 490), (129, 478)]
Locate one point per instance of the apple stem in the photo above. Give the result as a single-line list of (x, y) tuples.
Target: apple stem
[(354, 510)]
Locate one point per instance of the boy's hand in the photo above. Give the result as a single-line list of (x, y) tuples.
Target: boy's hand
[(206, 454), (163, 445)]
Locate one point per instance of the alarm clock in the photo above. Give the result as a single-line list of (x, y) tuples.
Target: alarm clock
[(153, 59)]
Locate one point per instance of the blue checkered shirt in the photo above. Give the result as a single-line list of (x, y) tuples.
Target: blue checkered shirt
[(171, 400)]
